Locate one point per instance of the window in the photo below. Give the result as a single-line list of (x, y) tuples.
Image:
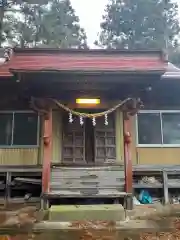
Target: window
[(19, 129), (158, 128)]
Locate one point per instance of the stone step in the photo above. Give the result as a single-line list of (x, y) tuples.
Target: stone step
[(66, 213)]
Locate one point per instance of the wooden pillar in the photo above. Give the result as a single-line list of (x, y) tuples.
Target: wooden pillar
[(47, 153), (128, 160), (165, 187)]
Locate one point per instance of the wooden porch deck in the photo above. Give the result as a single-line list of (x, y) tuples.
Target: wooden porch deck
[(79, 183)]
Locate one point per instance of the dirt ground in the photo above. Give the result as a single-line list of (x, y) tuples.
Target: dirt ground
[(175, 235)]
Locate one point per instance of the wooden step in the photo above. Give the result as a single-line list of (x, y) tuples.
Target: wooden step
[(77, 194), (86, 181)]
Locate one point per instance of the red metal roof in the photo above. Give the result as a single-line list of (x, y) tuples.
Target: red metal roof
[(28, 60)]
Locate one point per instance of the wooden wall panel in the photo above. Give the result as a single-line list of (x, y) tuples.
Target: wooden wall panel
[(119, 136), (41, 142), (19, 156), (158, 156), (57, 137), (133, 143)]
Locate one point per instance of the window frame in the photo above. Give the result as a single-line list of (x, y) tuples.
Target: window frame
[(155, 145), (13, 112)]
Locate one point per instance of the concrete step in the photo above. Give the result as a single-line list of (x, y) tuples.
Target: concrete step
[(66, 213)]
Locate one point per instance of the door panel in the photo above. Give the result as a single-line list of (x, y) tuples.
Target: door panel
[(105, 140), (75, 137), (73, 141)]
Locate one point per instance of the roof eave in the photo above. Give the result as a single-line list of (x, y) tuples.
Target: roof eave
[(82, 71), (91, 51)]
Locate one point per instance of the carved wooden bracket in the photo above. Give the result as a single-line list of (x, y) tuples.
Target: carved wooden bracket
[(131, 108), (41, 106)]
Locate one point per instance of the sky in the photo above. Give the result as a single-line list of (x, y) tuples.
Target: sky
[(90, 13)]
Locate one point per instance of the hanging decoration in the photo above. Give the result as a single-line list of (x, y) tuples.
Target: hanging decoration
[(81, 120), (94, 121), (129, 106), (96, 115), (70, 117), (106, 119)]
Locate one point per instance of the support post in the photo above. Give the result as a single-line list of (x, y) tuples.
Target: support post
[(165, 187), (8, 188), (47, 152), (128, 161)]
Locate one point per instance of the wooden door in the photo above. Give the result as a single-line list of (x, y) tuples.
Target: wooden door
[(105, 140), (73, 142)]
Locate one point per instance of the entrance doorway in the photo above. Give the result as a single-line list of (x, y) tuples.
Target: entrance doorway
[(88, 144)]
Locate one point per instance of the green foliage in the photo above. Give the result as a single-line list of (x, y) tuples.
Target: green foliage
[(61, 26), (38, 25), (139, 24)]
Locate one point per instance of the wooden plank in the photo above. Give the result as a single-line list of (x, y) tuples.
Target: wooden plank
[(85, 173), (156, 167), (172, 169), (165, 187), (173, 172), (8, 186), (89, 173), (174, 186), (79, 183), (73, 194), (57, 136), (145, 186), (75, 181), (86, 167), (20, 169), (21, 200), (89, 186), (28, 180), (119, 136)]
